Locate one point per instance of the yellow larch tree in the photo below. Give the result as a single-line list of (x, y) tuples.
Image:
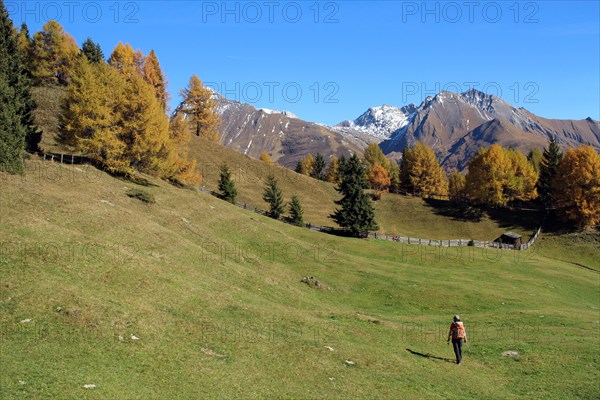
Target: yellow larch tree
[(378, 177), (576, 186), (53, 54), (422, 172), (265, 157), (200, 107)]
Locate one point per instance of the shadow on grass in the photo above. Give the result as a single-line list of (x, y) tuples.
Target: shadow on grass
[(430, 356), (509, 218), (456, 211)]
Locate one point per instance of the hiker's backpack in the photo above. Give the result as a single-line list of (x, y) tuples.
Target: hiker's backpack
[(458, 330)]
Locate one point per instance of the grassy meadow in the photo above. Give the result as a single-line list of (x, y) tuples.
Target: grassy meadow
[(193, 298)]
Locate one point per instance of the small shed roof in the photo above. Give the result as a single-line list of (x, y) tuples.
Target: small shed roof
[(512, 235)]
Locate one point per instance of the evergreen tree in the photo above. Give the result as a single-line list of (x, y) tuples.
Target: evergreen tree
[(200, 108), (274, 197), (92, 51), (16, 119), (356, 210), (535, 157), (550, 160), (318, 171), (296, 211), (226, 185), (405, 181)]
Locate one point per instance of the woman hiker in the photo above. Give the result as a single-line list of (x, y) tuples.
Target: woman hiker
[(457, 334)]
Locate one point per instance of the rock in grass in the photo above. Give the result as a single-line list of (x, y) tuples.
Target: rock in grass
[(133, 337), (89, 386), (350, 363), (312, 282), (510, 353), (26, 321), (211, 353)]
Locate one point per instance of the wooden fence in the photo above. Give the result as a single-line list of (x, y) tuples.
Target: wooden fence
[(65, 158), (394, 238), (531, 241)]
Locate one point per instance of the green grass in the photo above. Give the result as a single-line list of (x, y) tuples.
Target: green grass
[(216, 318), (48, 100), (395, 214)]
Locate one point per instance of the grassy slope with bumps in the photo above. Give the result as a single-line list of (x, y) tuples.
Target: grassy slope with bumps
[(216, 318)]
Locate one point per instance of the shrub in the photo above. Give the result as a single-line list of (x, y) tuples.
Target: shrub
[(141, 195)]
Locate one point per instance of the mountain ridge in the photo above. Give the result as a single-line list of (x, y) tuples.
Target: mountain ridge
[(455, 125)]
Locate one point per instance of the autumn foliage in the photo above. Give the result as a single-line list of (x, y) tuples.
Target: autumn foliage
[(378, 177), (199, 107), (576, 186), (53, 54), (421, 171), (497, 176), (265, 157), (112, 114)]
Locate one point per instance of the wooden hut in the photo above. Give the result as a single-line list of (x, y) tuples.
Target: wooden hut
[(510, 238)]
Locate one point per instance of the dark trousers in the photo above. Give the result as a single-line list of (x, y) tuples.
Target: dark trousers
[(457, 344)]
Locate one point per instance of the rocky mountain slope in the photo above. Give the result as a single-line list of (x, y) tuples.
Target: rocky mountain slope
[(282, 134), (379, 122), (457, 125), (454, 125)]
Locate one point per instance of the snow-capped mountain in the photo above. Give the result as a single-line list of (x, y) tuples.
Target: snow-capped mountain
[(380, 122), (457, 125)]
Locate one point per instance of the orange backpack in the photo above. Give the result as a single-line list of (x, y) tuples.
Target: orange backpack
[(458, 330)]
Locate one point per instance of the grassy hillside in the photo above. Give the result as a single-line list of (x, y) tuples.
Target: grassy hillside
[(395, 214), (194, 298)]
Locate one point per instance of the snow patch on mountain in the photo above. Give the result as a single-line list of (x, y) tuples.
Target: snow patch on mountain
[(284, 112), (380, 122)]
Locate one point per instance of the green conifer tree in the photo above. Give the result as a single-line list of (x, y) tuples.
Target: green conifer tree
[(550, 160), (274, 197), (226, 184), (16, 114), (296, 211), (356, 210)]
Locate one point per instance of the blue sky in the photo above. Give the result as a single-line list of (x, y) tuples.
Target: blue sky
[(331, 60)]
